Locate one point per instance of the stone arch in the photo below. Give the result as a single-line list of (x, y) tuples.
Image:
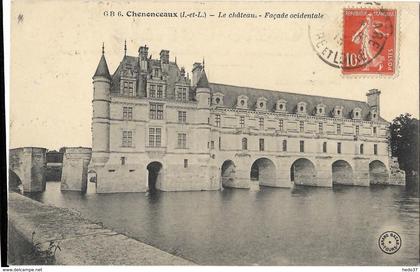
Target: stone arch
[(342, 172), (263, 170), (228, 173), (378, 173), (302, 172), (15, 183), (155, 175)]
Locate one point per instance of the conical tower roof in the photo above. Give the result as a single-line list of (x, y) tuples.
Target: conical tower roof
[(102, 69), (203, 81)]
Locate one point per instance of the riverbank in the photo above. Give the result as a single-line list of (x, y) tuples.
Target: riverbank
[(45, 234)]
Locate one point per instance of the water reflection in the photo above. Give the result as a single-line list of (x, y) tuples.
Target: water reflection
[(269, 226)]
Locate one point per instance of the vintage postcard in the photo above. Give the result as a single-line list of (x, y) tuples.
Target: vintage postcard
[(213, 133)]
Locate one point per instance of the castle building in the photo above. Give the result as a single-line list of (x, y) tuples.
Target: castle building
[(154, 127)]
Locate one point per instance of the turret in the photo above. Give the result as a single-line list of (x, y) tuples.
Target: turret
[(203, 91), (100, 117)]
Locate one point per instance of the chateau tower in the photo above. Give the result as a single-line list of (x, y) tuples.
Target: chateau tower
[(101, 110)]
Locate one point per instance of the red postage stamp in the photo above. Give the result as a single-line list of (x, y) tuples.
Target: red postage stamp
[(369, 41)]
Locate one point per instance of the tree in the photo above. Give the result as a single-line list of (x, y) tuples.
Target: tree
[(404, 141)]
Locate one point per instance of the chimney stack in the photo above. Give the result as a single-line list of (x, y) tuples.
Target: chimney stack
[(164, 56), (373, 100), (143, 52)]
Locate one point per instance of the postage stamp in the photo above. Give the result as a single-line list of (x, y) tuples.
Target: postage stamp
[(369, 42)]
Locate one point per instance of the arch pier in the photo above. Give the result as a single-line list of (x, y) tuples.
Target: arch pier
[(27, 165)]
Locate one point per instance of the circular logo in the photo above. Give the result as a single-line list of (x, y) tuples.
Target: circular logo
[(389, 242)]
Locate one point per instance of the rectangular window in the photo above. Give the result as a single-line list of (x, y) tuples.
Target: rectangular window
[(155, 137), (284, 145), (152, 91), (127, 113), (185, 163), (156, 111), (217, 120), (127, 139), (182, 94), (324, 147), (156, 72), (128, 88), (321, 128), (212, 144), (374, 131), (182, 116), (375, 149), (339, 148), (339, 129), (261, 122), (302, 146), (122, 160), (220, 143), (182, 140), (242, 121), (159, 92), (357, 130), (301, 126), (281, 124), (261, 144)]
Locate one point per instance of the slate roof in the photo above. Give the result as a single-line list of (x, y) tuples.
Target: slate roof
[(115, 81), (203, 82), (102, 69), (173, 75), (231, 94)]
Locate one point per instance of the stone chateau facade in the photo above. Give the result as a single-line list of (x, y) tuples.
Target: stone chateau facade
[(154, 127)]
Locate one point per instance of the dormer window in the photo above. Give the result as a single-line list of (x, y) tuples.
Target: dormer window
[(320, 110), (261, 104), (128, 88), (182, 93), (301, 108), (242, 102), (338, 112), (357, 113), (218, 99), (281, 105), (373, 115)]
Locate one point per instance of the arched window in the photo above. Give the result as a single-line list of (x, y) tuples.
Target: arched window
[(361, 149), (284, 145), (244, 144)]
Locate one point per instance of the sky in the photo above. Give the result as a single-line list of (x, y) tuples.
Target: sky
[(56, 46)]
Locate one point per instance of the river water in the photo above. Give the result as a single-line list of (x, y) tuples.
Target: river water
[(269, 226)]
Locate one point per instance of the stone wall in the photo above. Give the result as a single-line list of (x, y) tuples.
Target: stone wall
[(29, 164), (75, 168), (42, 234)]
